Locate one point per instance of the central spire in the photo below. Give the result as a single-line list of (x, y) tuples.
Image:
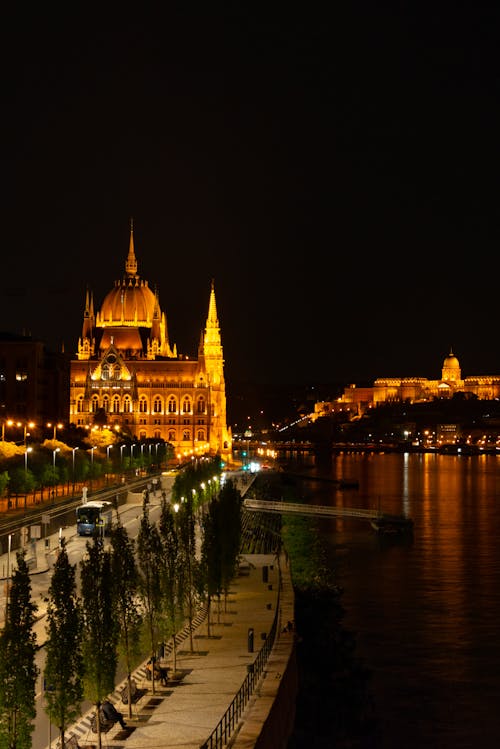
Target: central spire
[(131, 264)]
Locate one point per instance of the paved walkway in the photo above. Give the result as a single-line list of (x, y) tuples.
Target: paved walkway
[(185, 713)]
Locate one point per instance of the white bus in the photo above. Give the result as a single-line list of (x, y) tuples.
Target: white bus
[(93, 517)]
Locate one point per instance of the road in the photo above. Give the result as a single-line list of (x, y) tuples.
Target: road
[(130, 515)]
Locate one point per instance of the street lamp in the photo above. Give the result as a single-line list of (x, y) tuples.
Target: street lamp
[(29, 424), (56, 427), (9, 424), (54, 465), (107, 452), (157, 444), (28, 450), (73, 450), (121, 454), (92, 464)]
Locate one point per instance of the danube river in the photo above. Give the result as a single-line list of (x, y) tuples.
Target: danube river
[(425, 610)]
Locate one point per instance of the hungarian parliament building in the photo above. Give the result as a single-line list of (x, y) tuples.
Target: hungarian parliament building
[(128, 374), (412, 390)]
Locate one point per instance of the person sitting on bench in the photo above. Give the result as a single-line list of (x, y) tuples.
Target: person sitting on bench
[(111, 713)]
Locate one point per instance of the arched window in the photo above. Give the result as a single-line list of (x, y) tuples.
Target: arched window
[(127, 405), (186, 435), (143, 405), (201, 435), (201, 405), (116, 404), (186, 405), (171, 435), (105, 403), (172, 405), (79, 404), (105, 372), (94, 404), (157, 405), (116, 371)]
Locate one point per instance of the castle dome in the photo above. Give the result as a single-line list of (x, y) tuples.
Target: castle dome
[(451, 368)]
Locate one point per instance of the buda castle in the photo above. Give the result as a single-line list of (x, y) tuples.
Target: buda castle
[(385, 390)]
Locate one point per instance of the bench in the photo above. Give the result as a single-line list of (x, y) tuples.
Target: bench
[(136, 693), (69, 743), (106, 725)]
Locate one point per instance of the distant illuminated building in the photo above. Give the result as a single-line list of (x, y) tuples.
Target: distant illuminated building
[(129, 376), (412, 390)]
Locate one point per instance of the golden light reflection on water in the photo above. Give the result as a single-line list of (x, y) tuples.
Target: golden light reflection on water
[(426, 609)]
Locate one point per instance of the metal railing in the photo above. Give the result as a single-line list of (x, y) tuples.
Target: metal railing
[(227, 724)]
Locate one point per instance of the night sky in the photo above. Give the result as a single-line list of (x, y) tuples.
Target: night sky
[(335, 171)]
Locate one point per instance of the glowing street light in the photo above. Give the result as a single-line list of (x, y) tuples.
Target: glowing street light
[(56, 427), (92, 464), (9, 423), (121, 454), (28, 450), (73, 450), (54, 465)]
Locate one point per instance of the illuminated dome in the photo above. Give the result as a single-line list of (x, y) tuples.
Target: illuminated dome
[(451, 368), (131, 302)]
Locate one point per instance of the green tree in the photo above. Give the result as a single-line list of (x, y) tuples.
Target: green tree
[(18, 672), (211, 556), (63, 673), (100, 638), (187, 541), (229, 533), (149, 551), (172, 574), (125, 571)]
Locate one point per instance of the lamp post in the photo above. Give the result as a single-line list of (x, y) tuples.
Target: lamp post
[(157, 444), (27, 450), (54, 466), (56, 427), (92, 465), (9, 546), (9, 423), (108, 448), (73, 450), (121, 454), (29, 424)]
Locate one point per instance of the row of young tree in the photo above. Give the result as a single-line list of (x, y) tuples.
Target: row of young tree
[(132, 596)]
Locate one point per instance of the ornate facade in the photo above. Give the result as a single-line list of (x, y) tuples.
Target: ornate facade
[(413, 390), (128, 374)]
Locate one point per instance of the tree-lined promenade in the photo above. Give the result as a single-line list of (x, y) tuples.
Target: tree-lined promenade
[(126, 600), (40, 472)]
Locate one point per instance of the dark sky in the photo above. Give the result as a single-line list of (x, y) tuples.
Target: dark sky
[(335, 171)]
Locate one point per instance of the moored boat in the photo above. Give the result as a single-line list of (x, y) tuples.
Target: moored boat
[(392, 524)]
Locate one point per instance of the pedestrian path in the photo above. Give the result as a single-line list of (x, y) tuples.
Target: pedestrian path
[(185, 711)]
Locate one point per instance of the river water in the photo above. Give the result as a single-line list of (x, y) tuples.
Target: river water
[(426, 609)]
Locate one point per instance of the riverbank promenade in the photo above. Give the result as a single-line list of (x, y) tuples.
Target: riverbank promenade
[(187, 710)]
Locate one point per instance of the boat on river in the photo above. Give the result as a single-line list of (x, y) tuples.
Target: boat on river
[(391, 524)]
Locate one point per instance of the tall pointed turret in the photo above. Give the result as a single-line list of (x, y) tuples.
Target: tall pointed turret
[(131, 264)]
